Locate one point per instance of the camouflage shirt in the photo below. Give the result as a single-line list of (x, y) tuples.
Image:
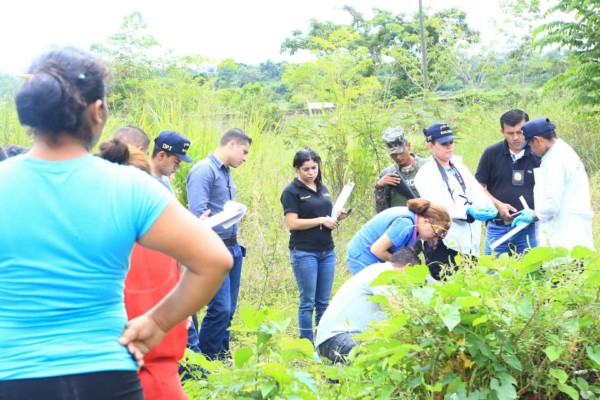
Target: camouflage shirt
[(390, 196)]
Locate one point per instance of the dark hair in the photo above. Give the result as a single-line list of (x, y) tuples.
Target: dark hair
[(308, 154), (119, 152), (60, 85), (549, 135), (513, 117), (404, 256), (437, 214), (133, 135), (235, 134)]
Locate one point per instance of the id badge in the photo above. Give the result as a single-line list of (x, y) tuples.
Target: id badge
[(518, 177)]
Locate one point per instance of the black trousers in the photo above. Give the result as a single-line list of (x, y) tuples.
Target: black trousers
[(436, 258), (106, 385)]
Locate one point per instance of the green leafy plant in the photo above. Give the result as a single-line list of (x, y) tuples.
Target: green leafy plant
[(271, 368)]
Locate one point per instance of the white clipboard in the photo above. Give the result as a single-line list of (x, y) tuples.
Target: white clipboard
[(342, 199), (231, 214)]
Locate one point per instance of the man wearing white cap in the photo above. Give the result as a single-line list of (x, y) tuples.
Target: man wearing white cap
[(561, 191), (396, 183)]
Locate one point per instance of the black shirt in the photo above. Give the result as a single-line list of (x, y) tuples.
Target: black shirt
[(300, 199), (496, 169)]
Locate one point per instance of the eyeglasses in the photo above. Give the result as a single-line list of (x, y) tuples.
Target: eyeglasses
[(439, 233)]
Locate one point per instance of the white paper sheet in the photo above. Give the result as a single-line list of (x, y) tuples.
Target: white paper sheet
[(232, 213), (342, 199)]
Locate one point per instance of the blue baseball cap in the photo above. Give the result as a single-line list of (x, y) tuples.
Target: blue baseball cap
[(174, 142), (440, 132), (536, 127)]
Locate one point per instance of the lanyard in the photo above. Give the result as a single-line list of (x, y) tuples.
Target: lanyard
[(459, 178), (512, 162)]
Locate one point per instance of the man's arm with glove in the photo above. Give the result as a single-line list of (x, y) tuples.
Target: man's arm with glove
[(528, 216), (482, 213)]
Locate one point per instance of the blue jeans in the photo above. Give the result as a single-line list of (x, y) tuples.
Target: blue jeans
[(314, 272), (518, 244), (337, 348), (214, 332)]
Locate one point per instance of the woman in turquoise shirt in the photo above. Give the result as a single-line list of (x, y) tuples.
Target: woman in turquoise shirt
[(68, 223)]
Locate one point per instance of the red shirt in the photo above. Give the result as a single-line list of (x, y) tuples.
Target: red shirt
[(151, 276)]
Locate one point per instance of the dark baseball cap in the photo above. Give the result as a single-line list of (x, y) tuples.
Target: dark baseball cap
[(174, 142), (440, 132), (536, 127)]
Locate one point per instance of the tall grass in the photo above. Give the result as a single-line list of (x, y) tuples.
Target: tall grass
[(349, 141)]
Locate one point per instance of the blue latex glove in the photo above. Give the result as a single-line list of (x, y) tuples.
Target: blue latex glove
[(482, 213), (527, 216)]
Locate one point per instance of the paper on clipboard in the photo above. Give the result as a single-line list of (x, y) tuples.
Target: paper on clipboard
[(231, 214), (342, 199)]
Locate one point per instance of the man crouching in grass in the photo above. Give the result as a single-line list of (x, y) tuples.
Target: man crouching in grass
[(351, 309)]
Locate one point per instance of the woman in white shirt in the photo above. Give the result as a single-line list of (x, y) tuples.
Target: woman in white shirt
[(445, 180)]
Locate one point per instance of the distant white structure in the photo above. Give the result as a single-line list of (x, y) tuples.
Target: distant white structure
[(319, 107)]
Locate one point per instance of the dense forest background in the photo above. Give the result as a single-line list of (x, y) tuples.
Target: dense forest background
[(367, 74)]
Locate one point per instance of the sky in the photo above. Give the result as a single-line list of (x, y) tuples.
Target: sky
[(247, 31)]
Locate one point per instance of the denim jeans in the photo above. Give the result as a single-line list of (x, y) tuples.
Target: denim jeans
[(337, 348), (214, 332), (314, 272), (518, 244)]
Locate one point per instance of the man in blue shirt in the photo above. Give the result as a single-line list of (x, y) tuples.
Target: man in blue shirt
[(209, 187), (170, 149)]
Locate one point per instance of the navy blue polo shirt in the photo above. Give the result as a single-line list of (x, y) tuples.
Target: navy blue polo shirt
[(495, 170), (300, 199)]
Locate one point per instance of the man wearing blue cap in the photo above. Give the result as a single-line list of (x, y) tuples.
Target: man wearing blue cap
[(445, 180), (561, 192), (170, 149)]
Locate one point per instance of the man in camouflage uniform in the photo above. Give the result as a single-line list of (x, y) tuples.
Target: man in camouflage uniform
[(396, 184), (11, 151)]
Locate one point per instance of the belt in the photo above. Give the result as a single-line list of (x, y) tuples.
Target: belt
[(498, 221), (232, 241)]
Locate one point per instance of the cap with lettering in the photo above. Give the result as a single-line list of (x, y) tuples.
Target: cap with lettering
[(174, 142), (439, 132)]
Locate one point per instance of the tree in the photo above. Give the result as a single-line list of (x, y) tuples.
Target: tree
[(443, 30), (581, 35), (386, 37), (129, 53)]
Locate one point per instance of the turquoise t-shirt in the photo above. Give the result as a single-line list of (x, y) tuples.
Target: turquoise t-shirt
[(397, 223), (66, 232)]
